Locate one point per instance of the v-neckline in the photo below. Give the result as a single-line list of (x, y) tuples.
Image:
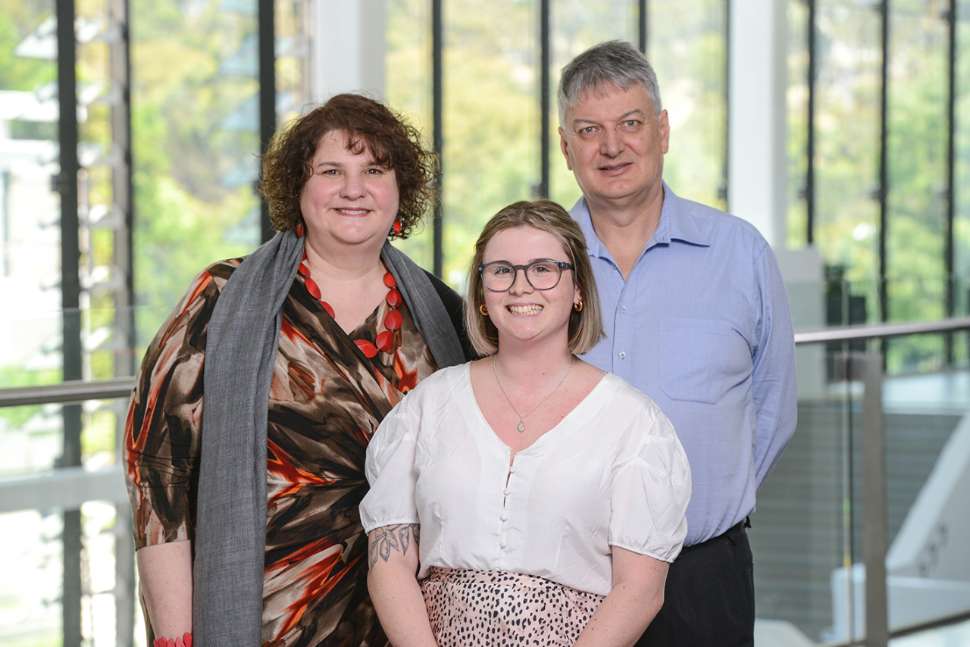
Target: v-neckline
[(364, 326), (588, 402)]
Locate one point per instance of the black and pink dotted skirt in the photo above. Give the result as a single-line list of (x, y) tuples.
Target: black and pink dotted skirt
[(485, 608)]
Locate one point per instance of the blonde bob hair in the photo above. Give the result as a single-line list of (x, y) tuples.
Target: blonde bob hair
[(585, 326)]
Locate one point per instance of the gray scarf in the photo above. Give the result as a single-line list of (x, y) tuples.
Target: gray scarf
[(240, 350)]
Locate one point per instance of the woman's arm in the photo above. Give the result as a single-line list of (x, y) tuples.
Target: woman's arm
[(162, 440), (166, 587), (636, 597), (393, 558)]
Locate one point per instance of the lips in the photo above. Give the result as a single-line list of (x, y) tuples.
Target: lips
[(529, 309), (615, 169), (355, 212)]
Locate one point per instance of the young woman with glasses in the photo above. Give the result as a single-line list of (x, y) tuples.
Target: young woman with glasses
[(527, 497)]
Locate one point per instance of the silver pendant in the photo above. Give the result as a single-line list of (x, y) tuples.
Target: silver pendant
[(520, 427)]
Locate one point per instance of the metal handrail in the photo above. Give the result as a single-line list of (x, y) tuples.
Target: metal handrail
[(881, 331), (120, 387), (69, 391)]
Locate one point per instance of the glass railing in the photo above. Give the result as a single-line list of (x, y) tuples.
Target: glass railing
[(869, 485), (65, 538), (861, 534)]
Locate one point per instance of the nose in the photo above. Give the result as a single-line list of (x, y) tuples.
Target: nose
[(520, 284), (611, 144), (352, 187)]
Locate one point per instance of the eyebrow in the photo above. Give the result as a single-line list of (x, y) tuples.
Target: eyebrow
[(629, 113), (370, 162), (534, 260)]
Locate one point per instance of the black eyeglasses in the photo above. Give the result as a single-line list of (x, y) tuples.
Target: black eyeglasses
[(541, 274)]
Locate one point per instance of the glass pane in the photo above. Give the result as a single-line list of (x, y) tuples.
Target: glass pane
[(31, 438), (961, 184), (802, 529), (292, 59), (29, 207), (575, 27), (491, 119), (31, 589), (915, 242), (689, 50), (30, 614), (797, 99), (847, 212), (408, 91), (927, 433), (196, 143)]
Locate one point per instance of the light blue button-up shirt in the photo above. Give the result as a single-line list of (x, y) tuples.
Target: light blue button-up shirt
[(702, 326)]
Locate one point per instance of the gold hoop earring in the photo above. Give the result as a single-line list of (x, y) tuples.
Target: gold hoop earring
[(578, 306), (483, 310)]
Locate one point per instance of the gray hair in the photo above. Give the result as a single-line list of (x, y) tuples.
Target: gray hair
[(616, 62)]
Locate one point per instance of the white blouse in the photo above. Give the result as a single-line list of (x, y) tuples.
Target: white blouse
[(611, 473)]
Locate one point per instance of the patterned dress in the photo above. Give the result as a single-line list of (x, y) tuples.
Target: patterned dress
[(326, 400)]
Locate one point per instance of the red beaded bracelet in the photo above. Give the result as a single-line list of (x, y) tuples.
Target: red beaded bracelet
[(184, 641)]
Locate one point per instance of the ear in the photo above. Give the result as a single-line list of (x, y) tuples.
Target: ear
[(564, 147), (663, 129)]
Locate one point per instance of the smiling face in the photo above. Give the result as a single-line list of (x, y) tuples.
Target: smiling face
[(524, 314), (349, 199), (614, 142)]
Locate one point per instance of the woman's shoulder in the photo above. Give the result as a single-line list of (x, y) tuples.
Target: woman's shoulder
[(210, 281), (192, 310), (220, 272), (431, 395), (439, 387)]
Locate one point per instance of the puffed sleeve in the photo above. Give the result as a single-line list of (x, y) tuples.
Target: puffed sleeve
[(164, 421), (390, 468), (650, 489)]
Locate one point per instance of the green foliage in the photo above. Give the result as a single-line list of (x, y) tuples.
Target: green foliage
[(14, 376), (195, 144), (98, 436), (847, 156), (17, 20)]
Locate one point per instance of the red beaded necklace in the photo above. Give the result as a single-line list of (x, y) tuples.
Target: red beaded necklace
[(387, 340)]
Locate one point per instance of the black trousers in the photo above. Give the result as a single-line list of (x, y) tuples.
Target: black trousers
[(709, 598)]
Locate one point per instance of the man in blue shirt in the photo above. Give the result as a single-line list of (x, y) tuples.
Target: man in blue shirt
[(696, 317)]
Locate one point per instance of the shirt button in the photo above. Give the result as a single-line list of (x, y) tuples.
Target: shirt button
[(506, 491), (504, 516), (622, 308), (502, 545), (621, 354)]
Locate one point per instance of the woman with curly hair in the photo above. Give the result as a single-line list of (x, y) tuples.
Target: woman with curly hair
[(245, 477)]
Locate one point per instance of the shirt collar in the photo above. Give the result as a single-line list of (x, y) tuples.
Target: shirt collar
[(678, 222)]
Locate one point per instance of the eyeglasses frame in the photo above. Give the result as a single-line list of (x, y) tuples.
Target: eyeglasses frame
[(562, 265)]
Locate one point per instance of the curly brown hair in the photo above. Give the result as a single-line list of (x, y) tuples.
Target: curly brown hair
[(393, 142)]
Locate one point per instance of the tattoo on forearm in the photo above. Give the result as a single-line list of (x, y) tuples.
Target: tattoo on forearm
[(382, 541)]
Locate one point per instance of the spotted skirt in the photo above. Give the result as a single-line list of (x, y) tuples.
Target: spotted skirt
[(488, 608)]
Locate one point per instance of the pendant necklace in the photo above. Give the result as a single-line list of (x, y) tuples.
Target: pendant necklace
[(521, 426)]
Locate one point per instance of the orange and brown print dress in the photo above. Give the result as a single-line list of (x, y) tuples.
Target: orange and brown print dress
[(326, 400)]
